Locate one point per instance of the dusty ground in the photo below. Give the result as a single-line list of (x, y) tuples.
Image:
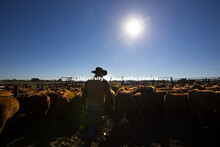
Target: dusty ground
[(152, 133)]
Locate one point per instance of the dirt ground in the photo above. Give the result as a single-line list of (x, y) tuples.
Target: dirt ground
[(152, 133)]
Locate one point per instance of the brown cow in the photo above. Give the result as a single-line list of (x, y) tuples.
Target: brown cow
[(213, 88), (217, 106), (8, 107), (67, 96), (137, 107), (165, 88), (197, 86), (175, 91), (28, 91), (158, 104), (77, 107), (63, 103), (56, 105), (176, 106), (5, 93), (146, 94), (183, 89), (203, 104), (115, 88), (123, 104), (36, 105), (160, 86)]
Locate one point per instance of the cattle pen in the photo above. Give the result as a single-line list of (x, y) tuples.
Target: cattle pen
[(66, 82), (159, 112)]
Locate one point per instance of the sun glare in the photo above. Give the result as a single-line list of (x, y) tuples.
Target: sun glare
[(133, 27)]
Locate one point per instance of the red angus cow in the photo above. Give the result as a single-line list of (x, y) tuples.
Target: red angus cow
[(36, 105), (197, 86), (147, 95), (123, 104), (138, 106), (56, 105), (115, 88), (158, 104), (64, 103), (76, 106), (203, 104), (8, 107), (176, 106), (5, 93)]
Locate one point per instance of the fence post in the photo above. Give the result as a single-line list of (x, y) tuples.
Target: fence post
[(42, 86), (38, 85), (16, 91), (171, 81), (122, 81)]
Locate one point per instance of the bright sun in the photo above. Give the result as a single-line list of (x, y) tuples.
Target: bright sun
[(133, 27)]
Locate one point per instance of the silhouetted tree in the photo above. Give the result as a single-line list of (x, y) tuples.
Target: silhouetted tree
[(35, 80)]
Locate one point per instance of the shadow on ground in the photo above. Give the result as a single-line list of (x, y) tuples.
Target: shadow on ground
[(153, 133)]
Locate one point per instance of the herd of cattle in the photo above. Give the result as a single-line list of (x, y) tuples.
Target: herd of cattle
[(136, 103), (53, 104)]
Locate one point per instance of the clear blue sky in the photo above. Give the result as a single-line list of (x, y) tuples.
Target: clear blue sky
[(48, 39)]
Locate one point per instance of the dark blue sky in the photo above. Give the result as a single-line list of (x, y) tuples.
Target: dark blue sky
[(50, 38)]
